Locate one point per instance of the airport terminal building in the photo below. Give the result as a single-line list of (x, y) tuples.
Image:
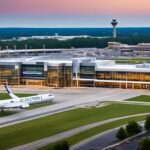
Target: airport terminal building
[(76, 72)]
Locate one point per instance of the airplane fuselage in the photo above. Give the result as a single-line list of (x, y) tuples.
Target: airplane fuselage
[(24, 102), (37, 99)]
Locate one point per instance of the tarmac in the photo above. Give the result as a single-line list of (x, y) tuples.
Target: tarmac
[(68, 98)]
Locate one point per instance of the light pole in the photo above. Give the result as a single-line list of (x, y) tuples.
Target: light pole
[(126, 81)]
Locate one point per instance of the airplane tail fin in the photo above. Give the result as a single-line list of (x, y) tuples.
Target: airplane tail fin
[(10, 92)]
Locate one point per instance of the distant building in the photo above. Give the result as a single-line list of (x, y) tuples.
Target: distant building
[(141, 49), (112, 45)]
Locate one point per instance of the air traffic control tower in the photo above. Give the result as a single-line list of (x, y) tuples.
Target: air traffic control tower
[(114, 24)]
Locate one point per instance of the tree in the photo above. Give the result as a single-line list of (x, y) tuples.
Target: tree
[(133, 128), (57, 146), (65, 145), (121, 134), (147, 123), (62, 146), (144, 144)]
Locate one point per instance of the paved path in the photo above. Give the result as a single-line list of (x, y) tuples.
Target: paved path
[(97, 142), (43, 142), (101, 141), (132, 144), (133, 103)]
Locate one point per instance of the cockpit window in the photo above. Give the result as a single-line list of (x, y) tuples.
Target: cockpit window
[(11, 101), (50, 95)]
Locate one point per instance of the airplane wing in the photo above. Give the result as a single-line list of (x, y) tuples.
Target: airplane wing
[(10, 92)]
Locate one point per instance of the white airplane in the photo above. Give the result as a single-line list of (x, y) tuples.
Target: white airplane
[(23, 102)]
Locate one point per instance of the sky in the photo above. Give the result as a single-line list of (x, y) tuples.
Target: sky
[(74, 13)]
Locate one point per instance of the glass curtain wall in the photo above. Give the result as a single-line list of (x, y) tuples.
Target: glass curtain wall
[(131, 76), (59, 76), (33, 74), (123, 76), (87, 72), (9, 75)]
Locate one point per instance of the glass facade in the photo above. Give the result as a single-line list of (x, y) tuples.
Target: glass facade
[(33, 74), (123, 76), (122, 85), (87, 72), (59, 76), (9, 75), (62, 75), (32, 71), (115, 79)]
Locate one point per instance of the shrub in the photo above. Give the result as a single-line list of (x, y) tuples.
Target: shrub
[(121, 134), (57, 146), (65, 145), (62, 146), (133, 128), (147, 123), (144, 144)]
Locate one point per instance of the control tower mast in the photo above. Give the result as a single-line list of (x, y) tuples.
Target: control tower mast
[(114, 24)]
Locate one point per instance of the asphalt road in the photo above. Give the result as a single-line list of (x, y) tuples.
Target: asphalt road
[(106, 140), (58, 137), (131, 144), (68, 98), (98, 142)]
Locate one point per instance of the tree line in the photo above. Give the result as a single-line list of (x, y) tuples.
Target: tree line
[(72, 43)]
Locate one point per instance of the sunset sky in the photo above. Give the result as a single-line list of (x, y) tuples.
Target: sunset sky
[(74, 13)]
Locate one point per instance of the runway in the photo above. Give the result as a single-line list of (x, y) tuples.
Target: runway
[(69, 99)]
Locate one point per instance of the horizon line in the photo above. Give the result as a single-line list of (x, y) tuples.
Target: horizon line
[(78, 27)]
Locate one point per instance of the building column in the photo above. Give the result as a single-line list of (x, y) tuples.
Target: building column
[(77, 83), (133, 86)]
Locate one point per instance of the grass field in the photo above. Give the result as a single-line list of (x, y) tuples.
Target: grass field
[(142, 98), (94, 131), (4, 96), (132, 60), (43, 127), (6, 113)]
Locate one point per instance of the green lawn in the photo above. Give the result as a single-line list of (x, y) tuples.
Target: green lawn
[(142, 98), (94, 131), (6, 113), (132, 60), (4, 96), (43, 127)]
